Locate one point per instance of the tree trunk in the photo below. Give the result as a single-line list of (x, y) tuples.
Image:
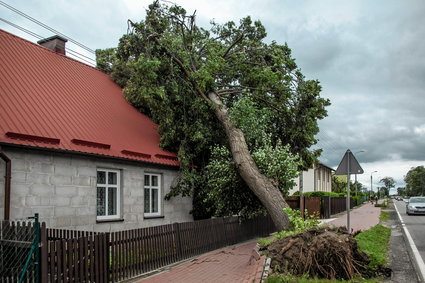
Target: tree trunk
[(267, 192)]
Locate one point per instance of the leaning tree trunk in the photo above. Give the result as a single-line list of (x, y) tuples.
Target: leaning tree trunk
[(267, 192)]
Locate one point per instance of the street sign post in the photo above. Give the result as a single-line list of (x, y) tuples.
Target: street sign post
[(348, 165)]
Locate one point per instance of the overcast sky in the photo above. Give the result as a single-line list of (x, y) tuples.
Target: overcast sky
[(368, 56)]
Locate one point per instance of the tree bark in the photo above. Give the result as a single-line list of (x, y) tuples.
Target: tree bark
[(267, 192)]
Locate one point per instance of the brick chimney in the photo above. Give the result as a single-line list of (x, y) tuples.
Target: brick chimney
[(54, 43)]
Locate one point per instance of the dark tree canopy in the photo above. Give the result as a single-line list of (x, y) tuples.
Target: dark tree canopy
[(415, 181), (168, 65)]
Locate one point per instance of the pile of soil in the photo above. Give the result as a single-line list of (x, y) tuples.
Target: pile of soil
[(319, 252)]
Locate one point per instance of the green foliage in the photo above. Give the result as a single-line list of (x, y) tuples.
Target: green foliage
[(289, 278), (384, 216), (338, 185), (262, 242), (167, 65), (415, 181), (298, 224), (401, 191), (321, 194), (388, 182), (227, 190), (374, 242)]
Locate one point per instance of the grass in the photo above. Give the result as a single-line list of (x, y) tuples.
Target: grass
[(262, 242), (305, 279), (374, 242), (385, 216)]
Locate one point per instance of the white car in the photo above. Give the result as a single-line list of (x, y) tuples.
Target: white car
[(415, 205)]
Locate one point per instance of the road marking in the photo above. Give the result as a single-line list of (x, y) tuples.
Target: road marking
[(419, 261)]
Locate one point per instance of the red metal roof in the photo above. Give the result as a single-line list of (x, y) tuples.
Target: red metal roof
[(51, 101)]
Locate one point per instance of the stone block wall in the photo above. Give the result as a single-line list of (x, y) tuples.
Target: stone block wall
[(61, 187)]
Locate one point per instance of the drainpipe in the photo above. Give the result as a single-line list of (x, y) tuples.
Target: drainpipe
[(7, 179)]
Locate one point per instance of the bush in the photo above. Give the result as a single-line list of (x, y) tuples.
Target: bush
[(321, 194), (297, 223)]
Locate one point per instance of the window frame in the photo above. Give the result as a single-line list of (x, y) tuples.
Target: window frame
[(150, 187), (107, 186)]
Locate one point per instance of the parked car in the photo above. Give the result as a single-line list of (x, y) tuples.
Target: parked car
[(415, 205)]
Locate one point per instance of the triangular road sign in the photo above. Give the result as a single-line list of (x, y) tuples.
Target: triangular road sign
[(349, 165)]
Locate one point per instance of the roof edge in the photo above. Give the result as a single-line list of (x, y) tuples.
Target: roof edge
[(53, 52), (80, 153)]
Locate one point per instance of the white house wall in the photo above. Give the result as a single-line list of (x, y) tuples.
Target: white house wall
[(311, 181), (62, 189)]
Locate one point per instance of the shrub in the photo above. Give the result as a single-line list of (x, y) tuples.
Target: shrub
[(297, 223), (321, 194)]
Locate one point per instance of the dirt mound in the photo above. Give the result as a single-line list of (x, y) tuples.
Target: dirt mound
[(320, 252)]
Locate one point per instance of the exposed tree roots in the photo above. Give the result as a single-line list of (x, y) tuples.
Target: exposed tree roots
[(320, 252)]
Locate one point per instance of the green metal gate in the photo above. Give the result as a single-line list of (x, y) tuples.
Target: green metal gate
[(19, 250)]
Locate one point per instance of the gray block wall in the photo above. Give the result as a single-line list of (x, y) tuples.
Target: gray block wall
[(61, 187)]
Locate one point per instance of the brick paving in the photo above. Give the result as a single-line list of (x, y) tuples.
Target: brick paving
[(237, 263), (240, 263), (361, 218)]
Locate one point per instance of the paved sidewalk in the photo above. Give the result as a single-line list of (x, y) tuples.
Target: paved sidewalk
[(239, 263), (361, 218), (232, 264)]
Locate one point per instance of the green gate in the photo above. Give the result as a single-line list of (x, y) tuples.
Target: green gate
[(19, 250)]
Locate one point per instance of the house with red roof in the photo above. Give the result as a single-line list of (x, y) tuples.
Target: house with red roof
[(74, 150)]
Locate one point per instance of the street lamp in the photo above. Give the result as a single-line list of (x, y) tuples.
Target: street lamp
[(355, 175), (371, 184)]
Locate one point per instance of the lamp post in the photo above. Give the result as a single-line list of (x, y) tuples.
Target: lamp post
[(371, 184), (355, 175)]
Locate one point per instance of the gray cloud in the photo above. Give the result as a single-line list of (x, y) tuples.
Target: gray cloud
[(368, 56)]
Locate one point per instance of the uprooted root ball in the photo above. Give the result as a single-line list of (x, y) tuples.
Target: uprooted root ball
[(319, 252)]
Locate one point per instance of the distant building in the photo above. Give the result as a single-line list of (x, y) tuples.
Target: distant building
[(319, 178)]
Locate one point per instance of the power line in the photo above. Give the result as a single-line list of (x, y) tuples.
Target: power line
[(46, 26), (76, 54), (73, 52), (21, 28)]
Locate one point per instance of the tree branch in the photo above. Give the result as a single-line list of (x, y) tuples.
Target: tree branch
[(182, 67), (239, 39)]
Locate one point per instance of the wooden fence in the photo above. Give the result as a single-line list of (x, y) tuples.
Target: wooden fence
[(112, 257), (335, 205), (80, 256), (322, 206)]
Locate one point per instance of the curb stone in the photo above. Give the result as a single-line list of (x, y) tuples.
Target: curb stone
[(266, 270)]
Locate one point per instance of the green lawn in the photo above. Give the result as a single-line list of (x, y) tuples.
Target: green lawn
[(374, 242)]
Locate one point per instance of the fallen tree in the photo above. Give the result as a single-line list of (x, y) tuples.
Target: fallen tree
[(187, 79)]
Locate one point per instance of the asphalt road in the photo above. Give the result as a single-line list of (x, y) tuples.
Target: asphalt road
[(415, 224)]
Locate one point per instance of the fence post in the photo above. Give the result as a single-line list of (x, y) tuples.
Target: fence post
[(302, 205), (107, 256), (226, 241), (178, 244), (43, 252), (326, 206)]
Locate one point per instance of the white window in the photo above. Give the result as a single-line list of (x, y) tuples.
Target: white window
[(108, 194), (152, 195)]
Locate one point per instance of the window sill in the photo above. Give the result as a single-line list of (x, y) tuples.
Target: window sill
[(153, 217), (109, 220)]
